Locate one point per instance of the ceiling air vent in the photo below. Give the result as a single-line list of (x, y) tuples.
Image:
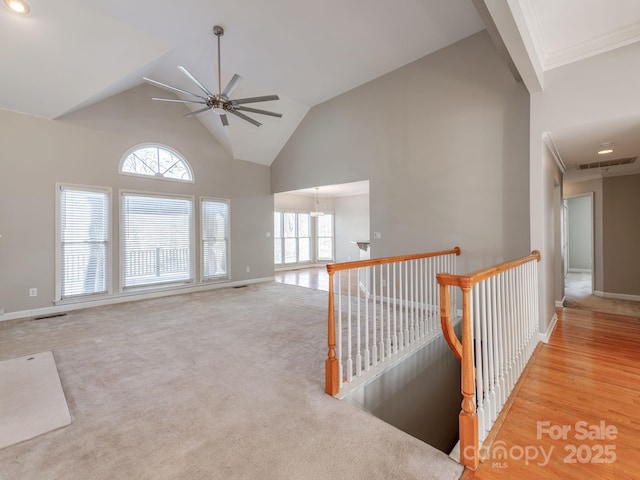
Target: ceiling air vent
[(607, 163)]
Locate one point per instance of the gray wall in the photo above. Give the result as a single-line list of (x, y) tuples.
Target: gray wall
[(550, 280), (592, 187), (444, 144), (351, 224), (621, 222), (580, 232), (85, 148)]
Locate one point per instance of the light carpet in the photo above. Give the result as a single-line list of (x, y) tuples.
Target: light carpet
[(224, 384), (31, 398)]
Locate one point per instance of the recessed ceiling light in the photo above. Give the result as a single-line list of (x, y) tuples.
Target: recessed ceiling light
[(17, 6), (605, 151)]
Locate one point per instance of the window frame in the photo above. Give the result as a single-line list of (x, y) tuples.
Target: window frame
[(203, 278), (58, 255), (157, 285), (318, 237), (296, 237), (156, 177)]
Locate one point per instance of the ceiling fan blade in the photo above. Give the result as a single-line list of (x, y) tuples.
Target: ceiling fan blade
[(195, 80), (224, 120), (265, 98), (231, 86), (179, 101), (197, 112), (261, 112), (244, 117), (170, 88)]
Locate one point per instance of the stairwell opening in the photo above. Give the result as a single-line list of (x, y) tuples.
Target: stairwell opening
[(420, 395)]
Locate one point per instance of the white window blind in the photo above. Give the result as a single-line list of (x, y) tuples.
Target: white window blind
[(83, 241), (215, 238), (157, 237)]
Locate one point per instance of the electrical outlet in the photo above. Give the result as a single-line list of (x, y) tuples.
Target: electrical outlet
[(248, 269), (377, 235), (33, 292)]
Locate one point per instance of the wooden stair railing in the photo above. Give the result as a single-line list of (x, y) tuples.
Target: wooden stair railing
[(396, 338), (520, 300)]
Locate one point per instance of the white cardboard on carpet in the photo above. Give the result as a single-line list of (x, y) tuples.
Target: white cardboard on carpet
[(32, 401)]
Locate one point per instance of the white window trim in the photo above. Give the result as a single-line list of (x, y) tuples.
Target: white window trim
[(333, 239), (200, 241), (312, 241), (58, 234), (159, 286), (160, 145)]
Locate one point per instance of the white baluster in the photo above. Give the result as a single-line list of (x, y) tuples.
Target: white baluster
[(401, 334), (358, 332), (367, 352), (388, 297), (477, 355), (349, 334), (421, 287), (395, 312), (381, 347), (374, 345), (339, 340)]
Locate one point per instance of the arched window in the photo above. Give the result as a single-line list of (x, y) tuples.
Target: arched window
[(156, 161)]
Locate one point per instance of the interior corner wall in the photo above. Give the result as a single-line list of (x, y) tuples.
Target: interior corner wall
[(351, 225), (443, 142), (593, 187), (580, 233), (550, 277), (85, 148), (621, 226)]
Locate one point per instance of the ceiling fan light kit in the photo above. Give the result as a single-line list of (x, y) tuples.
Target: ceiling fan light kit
[(220, 103)]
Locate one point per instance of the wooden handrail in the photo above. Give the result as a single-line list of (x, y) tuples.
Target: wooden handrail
[(332, 364), (471, 279), (335, 267), (463, 350)]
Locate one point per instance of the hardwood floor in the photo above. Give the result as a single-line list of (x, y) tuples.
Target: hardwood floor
[(577, 413), (317, 278)]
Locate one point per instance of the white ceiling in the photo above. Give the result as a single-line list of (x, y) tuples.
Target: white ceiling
[(71, 53)]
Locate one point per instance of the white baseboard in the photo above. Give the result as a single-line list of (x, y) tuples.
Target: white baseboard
[(545, 336), (617, 296), (67, 307), (560, 303)]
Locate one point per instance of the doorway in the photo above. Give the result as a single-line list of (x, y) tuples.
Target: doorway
[(578, 245)]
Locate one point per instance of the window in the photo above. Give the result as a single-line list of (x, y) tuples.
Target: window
[(156, 161), (325, 238), (157, 239), (83, 251), (292, 238), (215, 238), (277, 238)]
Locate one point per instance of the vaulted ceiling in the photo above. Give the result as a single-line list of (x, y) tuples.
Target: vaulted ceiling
[(67, 55)]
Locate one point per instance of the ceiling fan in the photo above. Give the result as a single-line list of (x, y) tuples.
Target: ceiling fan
[(221, 102)]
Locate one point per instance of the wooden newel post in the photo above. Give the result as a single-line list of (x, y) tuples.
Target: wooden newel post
[(468, 419), (332, 372)]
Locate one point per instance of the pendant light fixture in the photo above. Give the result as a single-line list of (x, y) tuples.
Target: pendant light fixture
[(317, 212)]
